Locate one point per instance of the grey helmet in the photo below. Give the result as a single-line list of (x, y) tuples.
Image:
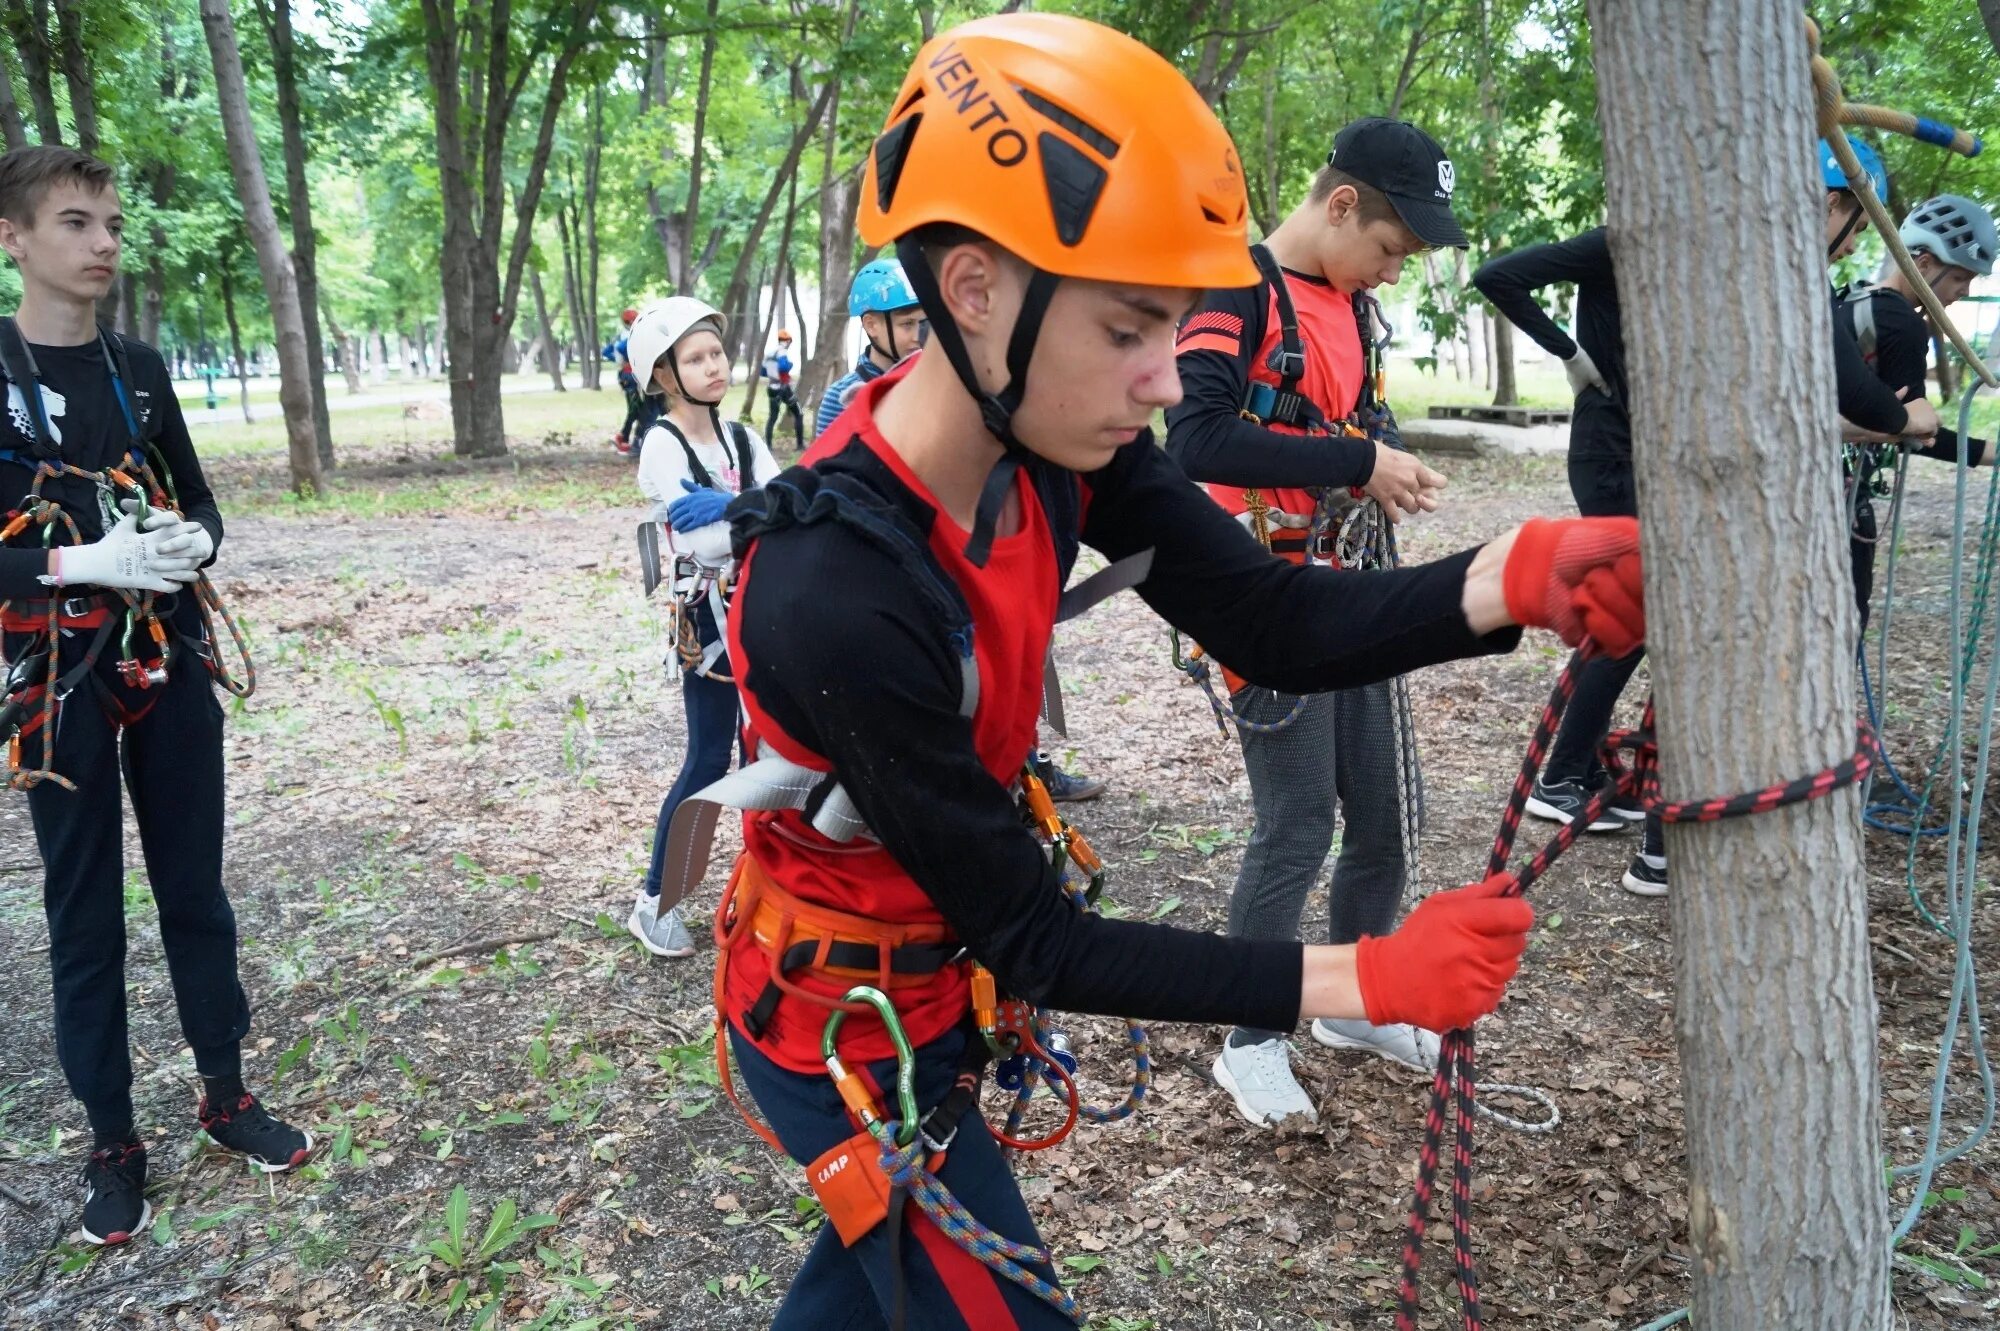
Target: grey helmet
[(1953, 229)]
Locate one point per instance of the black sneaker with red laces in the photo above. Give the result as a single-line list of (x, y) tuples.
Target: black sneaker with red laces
[(114, 1194), (250, 1130)]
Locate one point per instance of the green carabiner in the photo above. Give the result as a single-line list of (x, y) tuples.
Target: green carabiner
[(906, 1059)]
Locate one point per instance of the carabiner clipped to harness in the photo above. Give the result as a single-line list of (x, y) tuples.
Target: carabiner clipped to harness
[(854, 1092)]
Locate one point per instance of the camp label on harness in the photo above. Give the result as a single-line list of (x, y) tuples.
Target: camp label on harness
[(851, 1187)]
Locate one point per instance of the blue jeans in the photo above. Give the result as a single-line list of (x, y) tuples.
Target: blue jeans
[(712, 734), (848, 1289)]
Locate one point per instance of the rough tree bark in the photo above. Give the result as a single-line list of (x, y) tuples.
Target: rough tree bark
[(11, 126), (1989, 13), (1776, 1016), (281, 286), (235, 332), (276, 17), (676, 229), (551, 349), (473, 103), (1499, 332), (75, 57), (27, 23)]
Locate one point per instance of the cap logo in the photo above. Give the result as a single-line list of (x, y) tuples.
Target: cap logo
[(1447, 176)]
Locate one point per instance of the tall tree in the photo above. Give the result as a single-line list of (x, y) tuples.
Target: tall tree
[(27, 22), (75, 59), (228, 266), (676, 229), (551, 349), (479, 63), (276, 18), (11, 124), (281, 286), (1776, 1016)]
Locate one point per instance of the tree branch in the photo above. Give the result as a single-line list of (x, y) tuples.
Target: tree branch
[(538, 163)]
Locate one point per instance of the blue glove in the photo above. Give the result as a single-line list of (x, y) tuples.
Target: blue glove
[(697, 508)]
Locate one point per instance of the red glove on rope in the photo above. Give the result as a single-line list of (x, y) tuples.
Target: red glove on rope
[(1580, 577), (1450, 961)]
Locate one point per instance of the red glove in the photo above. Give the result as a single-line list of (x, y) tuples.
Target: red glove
[(1450, 961), (1580, 577)]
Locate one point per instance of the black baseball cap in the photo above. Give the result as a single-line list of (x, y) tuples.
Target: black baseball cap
[(1407, 165)]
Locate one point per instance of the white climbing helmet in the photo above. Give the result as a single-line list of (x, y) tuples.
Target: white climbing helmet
[(1953, 229), (659, 327)]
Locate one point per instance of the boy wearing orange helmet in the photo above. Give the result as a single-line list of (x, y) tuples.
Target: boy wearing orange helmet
[(1048, 184), (778, 390)]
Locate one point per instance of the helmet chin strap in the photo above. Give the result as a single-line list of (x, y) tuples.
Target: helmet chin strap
[(1854, 221), (996, 410)]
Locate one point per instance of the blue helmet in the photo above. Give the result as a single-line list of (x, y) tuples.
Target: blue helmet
[(879, 288), (1834, 177)]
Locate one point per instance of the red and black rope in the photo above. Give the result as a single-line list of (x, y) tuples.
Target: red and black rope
[(1452, 1086)]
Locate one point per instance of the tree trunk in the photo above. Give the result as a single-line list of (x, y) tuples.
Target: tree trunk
[(1947, 368), (277, 16), (581, 325), (739, 278), (587, 244), (839, 197), (680, 225), (10, 112), (475, 87), (1500, 333), (280, 283), (346, 354), (1989, 13), (76, 73), (550, 348), (756, 331), (1776, 1016), (235, 335), (27, 22)]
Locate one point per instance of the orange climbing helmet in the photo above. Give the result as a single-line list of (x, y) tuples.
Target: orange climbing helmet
[(784, 335), (1073, 146)]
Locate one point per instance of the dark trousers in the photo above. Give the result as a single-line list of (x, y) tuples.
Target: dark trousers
[(712, 734), (1862, 534), (783, 399), (1603, 487), (848, 1289), (171, 761)]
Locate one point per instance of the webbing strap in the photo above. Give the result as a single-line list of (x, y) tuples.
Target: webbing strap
[(1104, 584), (17, 362)]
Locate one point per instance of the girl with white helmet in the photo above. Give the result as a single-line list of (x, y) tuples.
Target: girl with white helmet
[(690, 466)]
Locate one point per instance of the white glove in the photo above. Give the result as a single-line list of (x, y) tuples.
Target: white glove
[(125, 558), (187, 539), (1582, 372)]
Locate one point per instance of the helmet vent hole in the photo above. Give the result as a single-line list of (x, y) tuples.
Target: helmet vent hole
[(1104, 145), (892, 150), (1074, 182)]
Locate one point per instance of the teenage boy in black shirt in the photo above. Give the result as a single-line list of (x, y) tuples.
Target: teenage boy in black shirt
[(84, 398)]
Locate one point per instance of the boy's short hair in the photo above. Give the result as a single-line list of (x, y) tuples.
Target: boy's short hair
[(1372, 204), (27, 175)]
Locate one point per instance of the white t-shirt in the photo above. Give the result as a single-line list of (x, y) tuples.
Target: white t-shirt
[(663, 465)]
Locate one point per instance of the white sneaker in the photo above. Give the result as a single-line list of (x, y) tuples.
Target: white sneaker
[(1412, 1046), (1259, 1079), (661, 935), (1646, 876)]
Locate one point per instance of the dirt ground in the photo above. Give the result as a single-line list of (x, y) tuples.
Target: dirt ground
[(441, 797)]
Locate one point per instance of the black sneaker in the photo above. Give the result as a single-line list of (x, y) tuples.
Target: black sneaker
[(114, 1194), (248, 1129), (1626, 808), (1646, 876), (1562, 801), (1066, 787)]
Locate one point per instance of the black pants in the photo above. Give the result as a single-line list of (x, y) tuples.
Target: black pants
[(1603, 488), (171, 761), (783, 399), (1862, 534)]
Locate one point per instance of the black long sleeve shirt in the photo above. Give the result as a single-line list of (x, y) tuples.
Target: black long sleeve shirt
[(1902, 361), (841, 655)]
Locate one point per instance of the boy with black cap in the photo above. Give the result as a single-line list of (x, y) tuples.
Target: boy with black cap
[(1280, 415), (82, 402)]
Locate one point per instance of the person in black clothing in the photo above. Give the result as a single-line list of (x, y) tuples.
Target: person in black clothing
[(1600, 462), (84, 398), (1953, 241)]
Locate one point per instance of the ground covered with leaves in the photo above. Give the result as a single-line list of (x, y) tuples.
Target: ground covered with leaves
[(441, 799)]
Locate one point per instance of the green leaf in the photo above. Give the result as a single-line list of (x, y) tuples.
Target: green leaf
[(1166, 908), (456, 1208), (1164, 1263), (460, 1288), (499, 1230), (163, 1226), (1083, 1262), (1966, 1235)]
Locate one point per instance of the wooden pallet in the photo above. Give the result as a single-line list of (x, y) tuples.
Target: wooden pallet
[(1490, 415)]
